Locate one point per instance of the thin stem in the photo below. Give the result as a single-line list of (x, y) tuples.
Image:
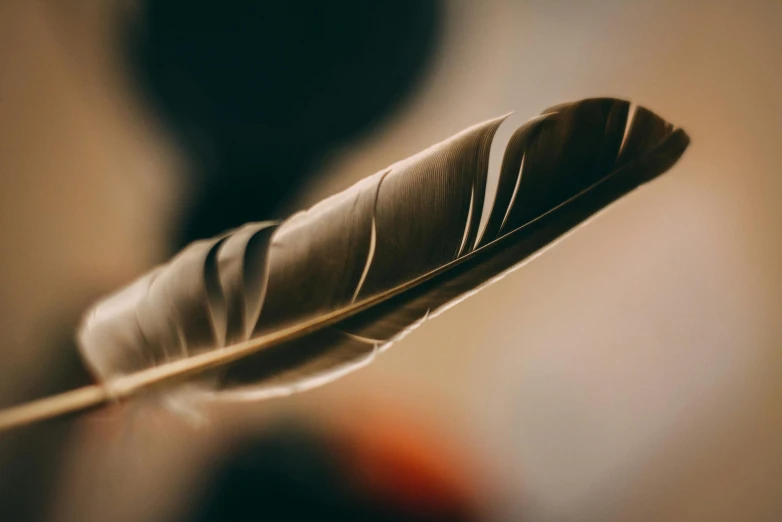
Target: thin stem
[(54, 406)]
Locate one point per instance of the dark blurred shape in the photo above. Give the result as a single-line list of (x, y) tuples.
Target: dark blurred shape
[(295, 473), (259, 91)]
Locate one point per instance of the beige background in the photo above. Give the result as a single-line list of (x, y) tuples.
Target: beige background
[(632, 373)]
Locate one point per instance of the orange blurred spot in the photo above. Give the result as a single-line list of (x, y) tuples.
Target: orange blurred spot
[(402, 463)]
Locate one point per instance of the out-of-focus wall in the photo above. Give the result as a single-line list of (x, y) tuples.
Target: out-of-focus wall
[(86, 183), (87, 191), (632, 373)]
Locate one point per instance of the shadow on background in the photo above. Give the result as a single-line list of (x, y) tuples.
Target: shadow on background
[(259, 92)]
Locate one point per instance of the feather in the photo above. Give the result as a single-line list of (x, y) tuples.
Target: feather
[(274, 308)]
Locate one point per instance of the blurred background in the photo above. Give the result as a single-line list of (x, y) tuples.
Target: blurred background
[(631, 373)]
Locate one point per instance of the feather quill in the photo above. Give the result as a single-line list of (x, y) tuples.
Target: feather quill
[(275, 308)]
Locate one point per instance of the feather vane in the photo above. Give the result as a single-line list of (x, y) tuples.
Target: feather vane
[(274, 308)]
